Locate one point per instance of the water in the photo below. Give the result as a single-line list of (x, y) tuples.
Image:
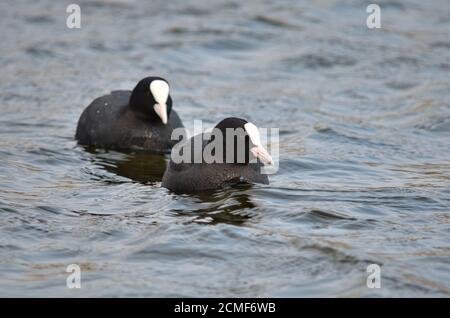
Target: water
[(364, 177)]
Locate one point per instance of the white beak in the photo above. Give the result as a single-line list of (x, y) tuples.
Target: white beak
[(258, 151), (160, 92), (161, 110), (262, 154)]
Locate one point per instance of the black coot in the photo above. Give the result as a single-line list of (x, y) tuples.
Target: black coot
[(141, 119), (232, 153)]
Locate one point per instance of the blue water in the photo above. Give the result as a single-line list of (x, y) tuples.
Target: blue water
[(364, 118)]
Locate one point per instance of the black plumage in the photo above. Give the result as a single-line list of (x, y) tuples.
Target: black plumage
[(127, 120)]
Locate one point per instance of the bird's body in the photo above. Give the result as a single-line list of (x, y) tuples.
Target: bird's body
[(202, 176), (198, 175), (109, 122), (114, 121)]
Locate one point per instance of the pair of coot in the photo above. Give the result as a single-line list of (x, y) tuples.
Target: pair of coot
[(143, 119)]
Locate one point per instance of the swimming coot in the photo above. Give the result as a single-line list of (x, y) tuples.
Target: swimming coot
[(208, 162), (141, 119)]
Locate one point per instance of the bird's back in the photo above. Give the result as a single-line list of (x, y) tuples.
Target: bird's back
[(191, 177), (108, 122), (98, 121)]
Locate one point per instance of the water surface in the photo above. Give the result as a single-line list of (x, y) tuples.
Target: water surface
[(364, 177)]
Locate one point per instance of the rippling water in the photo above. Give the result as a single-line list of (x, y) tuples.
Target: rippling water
[(364, 118)]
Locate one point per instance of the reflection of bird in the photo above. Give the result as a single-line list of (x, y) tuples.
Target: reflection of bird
[(141, 167), (201, 174), (142, 119), (138, 166), (229, 205)]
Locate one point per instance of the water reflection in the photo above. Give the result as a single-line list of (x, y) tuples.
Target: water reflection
[(364, 126), (231, 205), (137, 166)]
